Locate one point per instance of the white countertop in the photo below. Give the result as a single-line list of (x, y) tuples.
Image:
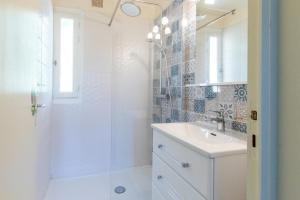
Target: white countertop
[(200, 139)]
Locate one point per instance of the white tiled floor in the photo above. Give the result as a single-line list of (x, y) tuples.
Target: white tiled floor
[(101, 187)]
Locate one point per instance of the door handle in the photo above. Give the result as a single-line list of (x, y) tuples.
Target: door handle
[(41, 105), (35, 107)]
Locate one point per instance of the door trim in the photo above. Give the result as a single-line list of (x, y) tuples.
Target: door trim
[(269, 104)]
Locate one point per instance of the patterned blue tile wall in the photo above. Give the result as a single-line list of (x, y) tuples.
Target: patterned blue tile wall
[(190, 103)]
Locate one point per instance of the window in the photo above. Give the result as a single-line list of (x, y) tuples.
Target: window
[(213, 59), (67, 55)]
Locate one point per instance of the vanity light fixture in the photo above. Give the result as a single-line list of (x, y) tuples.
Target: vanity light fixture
[(164, 21), (155, 29), (150, 36), (167, 30)]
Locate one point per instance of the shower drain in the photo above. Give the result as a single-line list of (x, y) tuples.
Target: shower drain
[(120, 189)]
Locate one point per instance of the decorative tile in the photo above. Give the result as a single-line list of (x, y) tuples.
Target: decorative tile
[(175, 115), (228, 110), (190, 92), (210, 92), (240, 93), (175, 70), (241, 127), (156, 119), (156, 91), (176, 91), (226, 93), (191, 117), (176, 103), (200, 93), (189, 66), (210, 105), (157, 101), (241, 112), (188, 105), (189, 79), (199, 106), (156, 83), (175, 26), (175, 81), (176, 47)]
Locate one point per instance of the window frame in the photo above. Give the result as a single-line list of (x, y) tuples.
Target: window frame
[(77, 16)]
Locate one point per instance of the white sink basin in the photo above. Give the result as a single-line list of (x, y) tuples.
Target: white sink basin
[(206, 141)]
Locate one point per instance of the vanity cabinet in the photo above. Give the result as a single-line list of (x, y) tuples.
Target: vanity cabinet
[(182, 172)]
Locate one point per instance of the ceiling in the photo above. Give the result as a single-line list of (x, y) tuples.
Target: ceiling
[(148, 11), (206, 13), (222, 6)]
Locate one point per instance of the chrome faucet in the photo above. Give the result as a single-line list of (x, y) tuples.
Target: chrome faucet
[(220, 120)]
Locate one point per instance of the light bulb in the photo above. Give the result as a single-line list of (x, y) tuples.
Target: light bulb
[(155, 29), (168, 30), (150, 36), (164, 21), (157, 36)]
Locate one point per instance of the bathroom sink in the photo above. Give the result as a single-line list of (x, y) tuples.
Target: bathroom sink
[(206, 141)]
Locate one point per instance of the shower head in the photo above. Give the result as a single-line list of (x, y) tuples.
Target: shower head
[(131, 9)]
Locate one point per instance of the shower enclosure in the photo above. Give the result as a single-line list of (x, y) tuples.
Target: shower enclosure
[(155, 84)]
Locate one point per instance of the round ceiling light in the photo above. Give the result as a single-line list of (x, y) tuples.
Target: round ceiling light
[(131, 9)]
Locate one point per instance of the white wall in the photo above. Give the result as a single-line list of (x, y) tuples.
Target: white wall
[(82, 130), (289, 98), (112, 114)]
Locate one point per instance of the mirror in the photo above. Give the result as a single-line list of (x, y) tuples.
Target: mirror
[(222, 42)]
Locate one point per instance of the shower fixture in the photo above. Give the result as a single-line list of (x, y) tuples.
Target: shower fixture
[(159, 31), (156, 36), (130, 9)]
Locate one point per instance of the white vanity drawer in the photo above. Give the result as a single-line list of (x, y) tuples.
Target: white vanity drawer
[(171, 185), (193, 167), (156, 195)]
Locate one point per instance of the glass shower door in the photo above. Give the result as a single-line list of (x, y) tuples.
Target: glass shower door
[(131, 136)]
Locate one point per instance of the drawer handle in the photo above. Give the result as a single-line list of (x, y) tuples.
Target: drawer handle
[(185, 165), (160, 146), (159, 177)]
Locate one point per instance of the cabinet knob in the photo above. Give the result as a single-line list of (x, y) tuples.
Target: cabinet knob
[(159, 177), (160, 146), (185, 165)]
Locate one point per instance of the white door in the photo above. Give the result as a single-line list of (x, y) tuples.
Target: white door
[(20, 69)]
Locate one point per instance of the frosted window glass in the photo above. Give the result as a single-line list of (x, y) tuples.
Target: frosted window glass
[(213, 59), (66, 55)]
